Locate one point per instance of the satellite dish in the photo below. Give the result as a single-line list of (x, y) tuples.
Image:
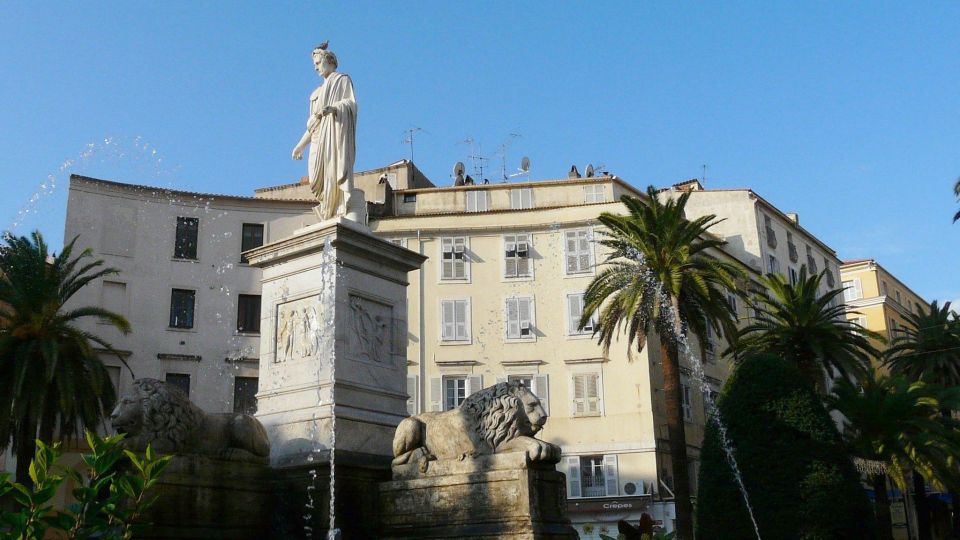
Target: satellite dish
[(458, 169), (525, 164), (589, 170)]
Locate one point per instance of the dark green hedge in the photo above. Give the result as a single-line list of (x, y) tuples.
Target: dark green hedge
[(801, 484)]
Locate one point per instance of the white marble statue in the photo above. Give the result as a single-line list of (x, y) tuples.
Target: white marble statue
[(331, 133)]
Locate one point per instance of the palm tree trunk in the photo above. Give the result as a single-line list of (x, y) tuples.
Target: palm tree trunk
[(677, 436), (882, 505), (922, 507), (26, 448)]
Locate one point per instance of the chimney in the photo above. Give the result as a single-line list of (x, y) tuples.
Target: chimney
[(794, 217)]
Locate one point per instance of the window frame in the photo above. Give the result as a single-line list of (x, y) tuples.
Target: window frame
[(243, 238), (572, 332), (856, 289), (531, 319), (477, 194), (517, 240), (175, 374), (521, 193), (445, 405), (177, 255), (456, 340), (236, 387), (240, 328), (590, 252), (587, 413), (599, 194), (193, 309), (464, 260)]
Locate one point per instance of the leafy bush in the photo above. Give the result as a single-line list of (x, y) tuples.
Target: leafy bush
[(111, 495), (801, 483)]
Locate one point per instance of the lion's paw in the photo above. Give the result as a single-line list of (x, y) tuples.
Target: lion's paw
[(542, 451)]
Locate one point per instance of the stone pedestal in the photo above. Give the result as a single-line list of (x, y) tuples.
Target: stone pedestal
[(496, 496), (201, 497), (333, 353)]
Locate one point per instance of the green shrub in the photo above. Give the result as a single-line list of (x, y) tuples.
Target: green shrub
[(801, 483), (111, 495)]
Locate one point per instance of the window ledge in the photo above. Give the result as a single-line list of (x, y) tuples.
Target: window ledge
[(585, 361), (186, 330), (246, 334), (586, 415), (579, 336), (457, 363), (179, 259), (451, 342), (522, 363), (531, 339)]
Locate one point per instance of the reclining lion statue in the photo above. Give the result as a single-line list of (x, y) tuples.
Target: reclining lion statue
[(499, 419), (163, 417)]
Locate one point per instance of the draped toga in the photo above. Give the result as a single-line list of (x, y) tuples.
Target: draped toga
[(333, 145)]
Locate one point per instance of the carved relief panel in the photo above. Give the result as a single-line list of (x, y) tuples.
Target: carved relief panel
[(299, 332), (371, 330)]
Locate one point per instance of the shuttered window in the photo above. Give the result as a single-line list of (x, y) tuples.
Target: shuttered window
[(592, 476), (453, 257), (852, 290), (579, 252), (586, 394), (594, 193), (413, 394), (519, 317), (686, 402), (477, 201), (516, 256), (455, 320), (574, 312), (521, 198)]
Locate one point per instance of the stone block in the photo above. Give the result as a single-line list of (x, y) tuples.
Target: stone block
[(494, 496)]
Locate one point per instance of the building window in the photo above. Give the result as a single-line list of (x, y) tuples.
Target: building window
[(811, 261), (398, 241), (521, 198), (852, 290), (454, 392), (248, 313), (519, 318), (773, 265), (477, 201), (768, 229), (538, 384), (455, 317), (594, 193), (897, 294), (894, 332), (245, 395), (574, 312), (709, 343), (517, 256), (793, 276), (860, 321), (453, 258), (409, 197), (114, 373), (181, 381), (413, 394), (586, 394), (579, 255), (686, 402), (883, 288), (792, 248), (185, 246), (251, 237), (732, 302), (181, 308), (592, 476)]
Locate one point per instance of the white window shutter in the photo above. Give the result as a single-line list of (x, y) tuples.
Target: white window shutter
[(573, 476), (460, 320), (436, 394), (574, 308), (578, 404), (592, 392), (584, 249), (541, 388), (525, 315), (610, 475), (448, 320), (522, 266), (412, 401), (474, 384), (513, 318), (858, 288), (571, 251)]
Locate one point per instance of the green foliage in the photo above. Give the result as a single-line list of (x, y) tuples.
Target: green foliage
[(111, 493), (801, 482), (798, 324), (51, 377), (898, 423), (928, 346)]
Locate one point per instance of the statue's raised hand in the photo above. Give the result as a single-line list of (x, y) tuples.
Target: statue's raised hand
[(298, 153)]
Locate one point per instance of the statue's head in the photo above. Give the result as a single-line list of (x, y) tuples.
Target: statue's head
[(324, 61)]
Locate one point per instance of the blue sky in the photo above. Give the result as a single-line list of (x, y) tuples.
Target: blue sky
[(844, 112)]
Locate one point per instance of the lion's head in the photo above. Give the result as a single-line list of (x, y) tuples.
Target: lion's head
[(505, 411), (157, 412)]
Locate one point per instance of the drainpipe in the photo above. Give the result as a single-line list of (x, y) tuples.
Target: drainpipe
[(421, 328)]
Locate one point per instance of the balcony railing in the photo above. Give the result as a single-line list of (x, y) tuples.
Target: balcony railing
[(594, 485)]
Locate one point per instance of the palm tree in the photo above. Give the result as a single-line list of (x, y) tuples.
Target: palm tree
[(51, 378), (893, 425), (659, 278), (928, 348), (956, 191), (797, 323)]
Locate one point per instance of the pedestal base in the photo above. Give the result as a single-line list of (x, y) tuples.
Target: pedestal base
[(499, 496), (203, 498), (357, 509)]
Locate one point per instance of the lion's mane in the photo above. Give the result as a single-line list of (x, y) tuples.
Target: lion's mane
[(167, 414), (498, 411)]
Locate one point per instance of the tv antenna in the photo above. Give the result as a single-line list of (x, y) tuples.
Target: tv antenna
[(408, 137), (703, 178), (524, 167), (477, 160), (504, 146)]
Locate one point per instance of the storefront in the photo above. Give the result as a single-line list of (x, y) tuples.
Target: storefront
[(593, 517)]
